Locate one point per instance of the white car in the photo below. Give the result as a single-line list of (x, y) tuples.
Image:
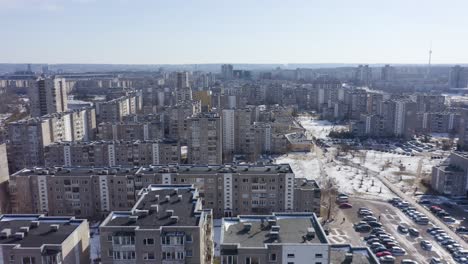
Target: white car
[(397, 251)]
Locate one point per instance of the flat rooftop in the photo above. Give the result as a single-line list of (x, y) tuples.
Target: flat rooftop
[(306, 184), (161, 205), (37, 235), (346, 254), (152, 169), (293, 229)]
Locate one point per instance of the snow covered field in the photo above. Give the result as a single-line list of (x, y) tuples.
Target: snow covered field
[(319, 128), (400, 169)]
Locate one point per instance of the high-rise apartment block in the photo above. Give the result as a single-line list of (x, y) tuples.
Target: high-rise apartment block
[(282, 238), (205, 139), (34, 239), (227, 71), (28, 137), (48, 96), (451, 177), (131, 131), (168, 224), (112, 153), (115, 110), (4, 178), (458, 77), (93, 192)]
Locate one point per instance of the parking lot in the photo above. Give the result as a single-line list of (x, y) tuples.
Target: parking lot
[(390, 216)]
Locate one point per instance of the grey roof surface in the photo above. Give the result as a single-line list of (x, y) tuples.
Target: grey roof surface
[(185, 209), (37, 236), (292, 230), (174, 168), (359, 255)]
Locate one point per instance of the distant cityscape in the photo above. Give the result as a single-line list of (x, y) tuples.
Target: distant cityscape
[(233, 163)]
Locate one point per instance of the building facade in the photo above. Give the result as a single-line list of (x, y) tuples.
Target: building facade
[(43, 239), (167, 225)]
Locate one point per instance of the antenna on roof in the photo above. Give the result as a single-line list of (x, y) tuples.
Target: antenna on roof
[(428, 72)]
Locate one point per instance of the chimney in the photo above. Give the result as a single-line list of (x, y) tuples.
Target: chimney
[(54, 227), (179, 197), (310, 233), (35, 224), (156, 197), (174, 219), (132, 218), (155, 208), (169, 213), (5, 233), (168, 198), (247, 227), (19, 235), (24, 229), (274, 234), (275, 228), (349, 257)]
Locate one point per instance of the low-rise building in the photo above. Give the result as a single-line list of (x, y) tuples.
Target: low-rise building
[(282, 238), (37, 239), (167, 225)]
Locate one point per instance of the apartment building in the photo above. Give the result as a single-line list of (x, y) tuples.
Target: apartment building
[(112, 153), (177, 118), (28, 137), (4, 178), (451, 176), (114, 110), (167, 225), (283, 238), (205, 139), (437, 122), (37, 239), (93, 192), (48, 96), (131, 130)]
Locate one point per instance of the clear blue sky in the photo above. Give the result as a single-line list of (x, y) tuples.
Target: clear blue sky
[(236, 31)]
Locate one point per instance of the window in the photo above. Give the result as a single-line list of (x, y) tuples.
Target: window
[(189, 253), (29, 260), (229, 260), (148, 241), (110, 253), (188, 238), (318, 262), (109, 238), (319, 255), (273, 257), (252, 260), (148, 255), (290, 262), (290, 255)]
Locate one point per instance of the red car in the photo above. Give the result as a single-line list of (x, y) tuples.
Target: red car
[(383, 253), (345, 205)]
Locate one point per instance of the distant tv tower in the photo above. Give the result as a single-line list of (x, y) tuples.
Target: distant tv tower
[(428, 73)]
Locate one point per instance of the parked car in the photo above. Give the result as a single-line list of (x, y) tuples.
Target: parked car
[(387, 259), (426, 245), (402, 229), (374, 224), (435, 260), (413, 232), (462, 230), (383, 253), (362, 228), (369, 218), (345, 206), (398, 251), (408, 261), (449, 220)]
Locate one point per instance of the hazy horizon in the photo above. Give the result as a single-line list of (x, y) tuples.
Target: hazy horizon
[(240, 32)]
